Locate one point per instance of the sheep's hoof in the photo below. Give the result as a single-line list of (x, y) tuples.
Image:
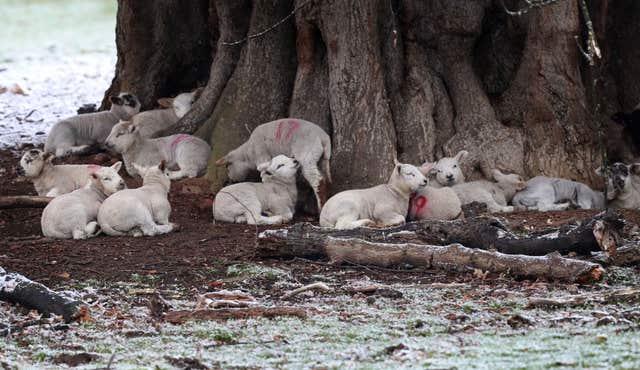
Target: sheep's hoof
[(175, 227)]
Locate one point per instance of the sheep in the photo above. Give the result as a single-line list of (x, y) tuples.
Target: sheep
[(76, 135), (447, 170), (385, 204), (249, 202), (623, 184), (295, 138), (188, 152), (431, 203), (141, 211), (554, 194), (74, 215), (53, 180), (496, 195), (152, 122), (631, 121)]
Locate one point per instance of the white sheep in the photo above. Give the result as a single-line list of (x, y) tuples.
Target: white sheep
[(249, 202), (75, 135), (385, 204), (73, 215), (53, 180), (295, 138), (496, 195), (447, 171), (141, 211), (623, 184), (431, 203), (554, 194), (187, 152), (152, 122)]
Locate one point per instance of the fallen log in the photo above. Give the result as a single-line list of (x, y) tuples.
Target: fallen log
[(18, 289), (305, 240), (456, 257), (628, 295), (627, 255), (222, 314), (23, 201)]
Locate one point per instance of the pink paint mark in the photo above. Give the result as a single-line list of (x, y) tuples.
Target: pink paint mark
[(418, 203), (177, 139), (289, 126), (93, 167)]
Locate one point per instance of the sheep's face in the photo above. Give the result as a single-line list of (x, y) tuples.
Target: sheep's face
[(125, 105), (411, 176), (155, 174), (183, 102), (122, 137), (618, 178), (280, 168), (237, 168), (109, 179), (512, 181), (33, 161), (447, 170)]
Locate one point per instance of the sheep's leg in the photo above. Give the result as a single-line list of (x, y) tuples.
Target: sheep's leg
[(80, 149), (79, 234), (493, 207), (391, 220), (544, 207), (349, 222), (92, 229), (152, 229), (53, 193), (313, 176), (177, 175)]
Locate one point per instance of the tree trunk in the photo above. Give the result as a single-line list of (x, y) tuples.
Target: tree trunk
[(414, 79)]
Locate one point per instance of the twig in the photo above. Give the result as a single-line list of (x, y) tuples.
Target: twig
[(317, 286), (531, 4)]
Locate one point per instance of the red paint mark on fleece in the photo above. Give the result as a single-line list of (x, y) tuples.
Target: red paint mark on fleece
[(418, 203), (177, 139), (93, 167), (289, 126)]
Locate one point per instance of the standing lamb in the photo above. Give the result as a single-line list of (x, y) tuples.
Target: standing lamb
[(74, 215), (385, 204), (447, 170), (187, 152), (249, 202), (153, 122), (430, 203), (141, 211), (53, 180), (75, 135), (295, 138), (555, 194), (623, 184), (496, 195)]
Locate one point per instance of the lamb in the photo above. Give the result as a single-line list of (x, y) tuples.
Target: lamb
[(141, 211), (187, 152), (152, 122), (385, 204), (294, 138), (249, 202), (554, 194), (496, 195), (74, 215), (431, 203), (623, 184), (53, 180), (447, 170), (76, 135)]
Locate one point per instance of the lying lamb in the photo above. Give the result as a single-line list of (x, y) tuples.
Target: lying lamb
[(75, 135), (385, 204), (623, 185), (447, 170), (74, 215), (53, 180), (188, 152), (141, 211), (555, 194), (153, 122), (430, 203), (496, 195), (294, 138), (249, 202)]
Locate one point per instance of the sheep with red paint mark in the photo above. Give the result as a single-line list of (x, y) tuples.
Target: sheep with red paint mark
[(431, 203), (152, 122), (54, 180), (187, 152), (295, 138)]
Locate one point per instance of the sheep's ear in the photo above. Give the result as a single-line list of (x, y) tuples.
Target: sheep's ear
[(496, 173), (427, 168), (116, 100), (162, 165), (395, 161), (461, 155), (600, 171), (263, 166), (132, 128), (635, 169), (94, 175), (48, 156), (222, 161), (116, 166), (165, 102)]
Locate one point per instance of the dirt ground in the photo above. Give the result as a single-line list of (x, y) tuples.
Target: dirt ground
[(418, 317)]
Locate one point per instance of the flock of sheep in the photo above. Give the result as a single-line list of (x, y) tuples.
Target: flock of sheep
[(90, 199)]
